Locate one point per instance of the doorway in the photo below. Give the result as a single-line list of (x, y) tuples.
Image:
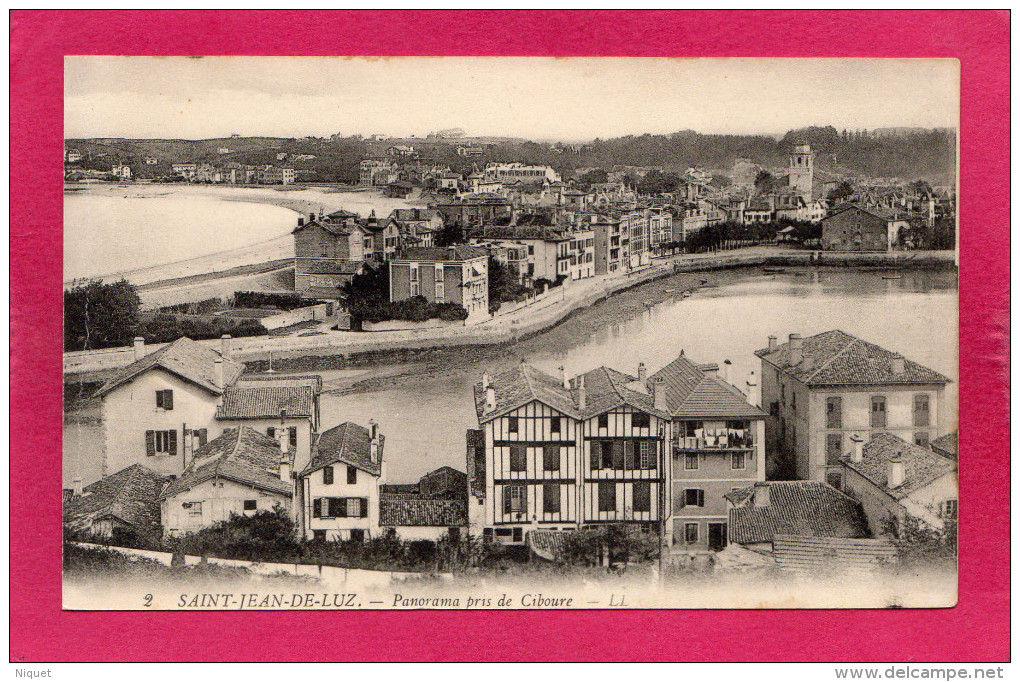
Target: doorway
[(716, 536)]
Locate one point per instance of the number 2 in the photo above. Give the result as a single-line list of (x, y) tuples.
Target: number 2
[(148, 600)]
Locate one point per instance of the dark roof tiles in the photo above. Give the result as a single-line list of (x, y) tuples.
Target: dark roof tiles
[(347, 443), (184, 358), (266, 402), (805, 508), (131, 496), (242, 455), (921, 466)]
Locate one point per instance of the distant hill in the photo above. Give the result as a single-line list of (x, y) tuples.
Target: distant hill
[(909, 153)]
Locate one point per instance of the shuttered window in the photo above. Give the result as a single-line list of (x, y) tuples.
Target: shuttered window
[(608, 447), (878, 411), (514, 499), (160, 443), (607, 496), (271, 431), (648, 458), (292, 436), (551, 458), (691, 461), (618, 456), (596, 454), (694, 497), (518, 458), (355, 507), (643, 496), (551, 498), (165, 399), (352, 475), (603, 421), (834, 413), (640, 420), (921, 410), (554, 425), (512, 424), (691, 533), (203, 437), (327, 475), (337, 508), (833, 448), (628, 454)]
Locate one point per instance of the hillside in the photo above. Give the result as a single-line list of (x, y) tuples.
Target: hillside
[(907, 153)]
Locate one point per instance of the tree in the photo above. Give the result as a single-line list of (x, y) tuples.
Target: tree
[(99, 315), (593, 176), (503, 285), (764, 182), (840, 193)]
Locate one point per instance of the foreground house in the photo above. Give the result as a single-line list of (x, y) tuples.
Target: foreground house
[(123, 507), (602, 447), (240, 472), (822, 390), (157, 410), (768, 509), (340, 485), (894, 479), (433, 508)]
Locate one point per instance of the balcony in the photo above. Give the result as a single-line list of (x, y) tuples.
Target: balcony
[(739, 440)]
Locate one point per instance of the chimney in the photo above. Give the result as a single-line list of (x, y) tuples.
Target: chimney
[(582, 394), (796, 349), (753, 394), (772, 342), (218, 372), (857, 454), (490, 399), (311, 217), (225, 343), (896, 472), (898, 365), (485, 381), (726, 365), (139, 346), (77, 487), (284, 468), (373, 428), (300, 220), (642, 372), (563, 376), (659, 393), (762, 494), (374, 449)]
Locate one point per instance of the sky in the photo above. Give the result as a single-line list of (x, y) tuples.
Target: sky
[(568, 99)]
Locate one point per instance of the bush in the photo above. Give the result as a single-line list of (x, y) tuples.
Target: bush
[(166, 327), (262, 536), (623, 542), (258, 299), (414, 309)]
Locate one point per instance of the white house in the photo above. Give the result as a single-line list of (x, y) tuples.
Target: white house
[(158, 410), (240, 472), (340, 486)]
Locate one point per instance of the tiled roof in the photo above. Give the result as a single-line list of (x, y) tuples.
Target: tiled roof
[(450, 253), (519, 386), (809, 554), (947, 444), (606, 389), (334, 228), (516, 232), (835, 358), (185, 358), (807, 508), (131, 495), (348, 443), (242, 455), (691, 393), (400, 510), (921, 466), (255, 402), (882, 213)]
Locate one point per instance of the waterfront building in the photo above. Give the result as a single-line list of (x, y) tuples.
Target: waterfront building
[(329, 251), (855, 228), (512, 172), (184, 170), (894, 479), (455, 274), (822, 390), (340, 485), (802, 170), (121, 171)]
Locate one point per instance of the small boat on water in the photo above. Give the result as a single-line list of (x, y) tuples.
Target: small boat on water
[(892, 277), (773, 271), (687, 294)]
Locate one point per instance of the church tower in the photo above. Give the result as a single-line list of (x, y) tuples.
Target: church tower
[(802, 170)]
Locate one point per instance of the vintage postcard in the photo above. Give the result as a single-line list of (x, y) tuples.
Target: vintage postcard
[(510, 333)]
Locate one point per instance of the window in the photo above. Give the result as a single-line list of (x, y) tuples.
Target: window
[(921, 410), (292, 436), (690, 533), (878, 411), (640, 420), (352, 475), (691, 461), (165, 399), (195, 509), (950, 509), (834, 413), (357, 535), (921, 438), (160, 443), (518, 458), (603, 421), (518, 534), (512, 424), (251, 505), (203, 436), (440, 292), (416, 288), (551, 457), (643, 496), (327, 475), (738, 460), (607, 496), (619, 457), (607, 454), (595, 448), (647, 458), (271, 431), (551, 498), (833, 448), (694, 497), (355, 508), (515, 499), (554, 425)]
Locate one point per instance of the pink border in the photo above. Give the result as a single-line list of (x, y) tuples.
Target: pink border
[(976, 630)]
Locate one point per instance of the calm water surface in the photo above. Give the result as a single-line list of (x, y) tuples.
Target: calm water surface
[(425, 408)]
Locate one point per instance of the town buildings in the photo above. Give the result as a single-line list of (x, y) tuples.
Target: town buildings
[(512, 172), (802, 170), (123, 507), (455, 274), (377, 172), (855, 228), (329, 251), (822, 390)]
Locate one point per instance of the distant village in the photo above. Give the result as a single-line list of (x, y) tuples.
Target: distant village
[(824, 451)]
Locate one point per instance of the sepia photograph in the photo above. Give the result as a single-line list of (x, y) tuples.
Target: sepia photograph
[(394, 333)]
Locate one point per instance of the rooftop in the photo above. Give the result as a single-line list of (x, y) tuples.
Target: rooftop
[(947, 445), (347, 443), (242, 455), (403, 510), (835, 358), (184, 358), (447, 254), (267, 401), (805, 508), (692, 392), (131, 496), (921, 466)]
